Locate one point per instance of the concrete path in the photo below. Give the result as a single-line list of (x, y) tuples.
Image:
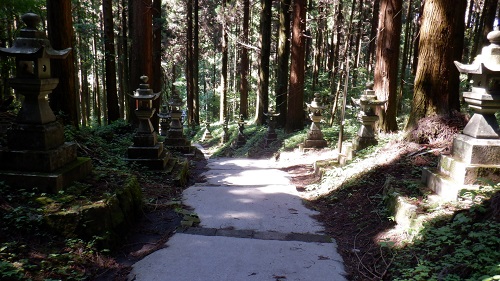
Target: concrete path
[(253, 227)]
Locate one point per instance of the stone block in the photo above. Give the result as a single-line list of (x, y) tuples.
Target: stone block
[(51, 182), (35, 137), (463, 173), (36, 160), (135, 152), (476, 151)]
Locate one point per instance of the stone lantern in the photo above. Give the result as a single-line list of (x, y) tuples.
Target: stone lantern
[(146, 150), (207, 135), (476, 152), (271, 129), (37, 154), (176, 140), (315, 137), (242, 139), (225, 130), (368, 103), (164, 116)]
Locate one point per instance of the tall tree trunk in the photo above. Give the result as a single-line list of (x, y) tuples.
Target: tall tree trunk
[(373, 34), (125, 86), (357, 43), (386, 68), (485, 26), (109, 56), (436, 89), (265, 52), (189, 62), (141, 51), (406, 47), (282, 63), (295, 113), (223, 95), (196, 72), (60, 27), (156, 83), (244, 61)]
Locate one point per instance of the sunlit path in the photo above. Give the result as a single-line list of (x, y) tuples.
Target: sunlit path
[(254, 226)]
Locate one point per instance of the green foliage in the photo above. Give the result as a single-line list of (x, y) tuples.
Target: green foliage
[(459, 247)]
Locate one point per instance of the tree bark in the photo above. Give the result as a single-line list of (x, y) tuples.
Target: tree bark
[(196, 72), (436, 90), (189, 62), (110, 62), (156, 83), (141, 36), (386, 68), (282, 62), (265, 52), (60, 28), (373, 34), (244, 61), (485, 26), (223, 95), (295, 113)]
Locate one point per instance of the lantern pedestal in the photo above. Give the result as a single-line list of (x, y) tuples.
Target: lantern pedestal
[(242, 139), (37, 155), (271, 135), (476, 152)]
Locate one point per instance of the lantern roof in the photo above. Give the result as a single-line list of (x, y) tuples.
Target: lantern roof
[(32, 43), (144, 92), (488, 60)]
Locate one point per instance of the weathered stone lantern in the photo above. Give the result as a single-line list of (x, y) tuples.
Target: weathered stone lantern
[(176, 140), (476, 152), (37, 154), (225, 130), (271, 129), (207, 135), (242, 139), (164, 116), (315, 137), (146, 149), (368, 103)]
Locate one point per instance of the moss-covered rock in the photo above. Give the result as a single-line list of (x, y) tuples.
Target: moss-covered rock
[(107, 219)]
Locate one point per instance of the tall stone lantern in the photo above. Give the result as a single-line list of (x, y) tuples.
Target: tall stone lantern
[(476, 152), (146, 149), (315, 137), (271, 135), (368, 104), (37, 154), (176, 140)]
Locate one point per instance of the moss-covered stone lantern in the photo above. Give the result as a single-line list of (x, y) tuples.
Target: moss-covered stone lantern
[(37, 154)]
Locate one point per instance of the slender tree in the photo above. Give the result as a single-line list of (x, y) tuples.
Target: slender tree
[(195, 57), (60, 33), (156, 83), (189, 62), (110, 62), (244, 61), (295, 112), (436, 89), (283, 61), (265, 52), (386, 67), (224, 83)]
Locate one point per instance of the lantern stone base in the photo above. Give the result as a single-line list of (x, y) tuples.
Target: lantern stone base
[(35, 136), (206, 136), (270, 137), (154, 157), (49, 182), (470, 160), (315, 144), (363, 142)]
